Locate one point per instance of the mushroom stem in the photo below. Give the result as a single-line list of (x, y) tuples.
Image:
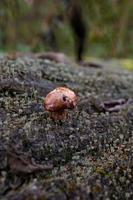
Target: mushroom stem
[(59, 115)]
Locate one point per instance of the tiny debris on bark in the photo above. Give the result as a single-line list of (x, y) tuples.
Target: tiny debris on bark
[(90, 64), (20, 163), (113, 105)]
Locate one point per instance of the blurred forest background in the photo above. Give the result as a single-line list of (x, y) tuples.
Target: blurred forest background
[(43, 25)]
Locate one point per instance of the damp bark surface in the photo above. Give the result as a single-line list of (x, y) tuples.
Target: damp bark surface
[(86, 156)]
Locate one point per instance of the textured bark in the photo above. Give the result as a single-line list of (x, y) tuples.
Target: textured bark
[(90, 151)]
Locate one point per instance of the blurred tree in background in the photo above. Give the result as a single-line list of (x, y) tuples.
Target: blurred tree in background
[(41, 25)]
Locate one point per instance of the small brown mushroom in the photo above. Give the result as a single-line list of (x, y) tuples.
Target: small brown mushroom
[(58, 100)]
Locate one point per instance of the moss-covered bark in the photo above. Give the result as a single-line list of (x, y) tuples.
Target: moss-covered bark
[(90, 152)]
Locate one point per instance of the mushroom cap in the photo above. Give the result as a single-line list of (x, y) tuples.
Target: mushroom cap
[(59, 99)]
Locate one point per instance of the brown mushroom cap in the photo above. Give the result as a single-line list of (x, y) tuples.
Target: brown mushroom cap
[(59, 99)]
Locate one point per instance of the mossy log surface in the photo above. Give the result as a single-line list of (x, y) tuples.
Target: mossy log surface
[(90, 153)]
